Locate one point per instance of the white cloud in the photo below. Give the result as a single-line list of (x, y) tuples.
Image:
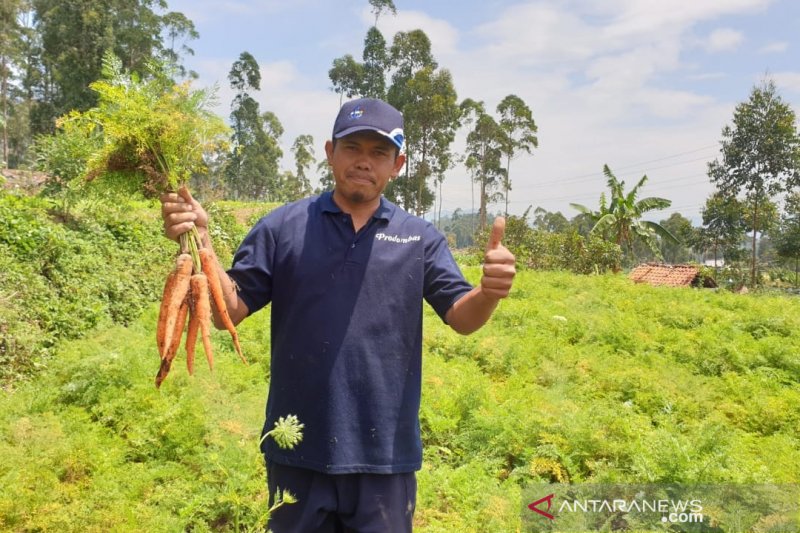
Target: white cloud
[(537, 34), (707, 76), (724, 40), (443, 36), (787, 81), (593, 75), (777, 47)]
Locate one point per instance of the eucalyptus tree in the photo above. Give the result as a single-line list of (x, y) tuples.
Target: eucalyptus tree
[(516, 121), (620, 220), (73, 35), (760, 154), (325, 174), (381, 6), (298, 184), (410, 52), (347, 77), (376, 61), (432, 116), (11, 58), (252, 170), (484, 153), (407, 76)]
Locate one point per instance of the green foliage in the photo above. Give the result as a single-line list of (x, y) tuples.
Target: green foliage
[(542, 250), (252, 166), (62, 45), (760, 156), (154, 133), (61, 278), (569, 384), (620, 220), (486, 143)]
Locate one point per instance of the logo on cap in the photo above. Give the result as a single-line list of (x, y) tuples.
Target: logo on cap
[(357, 113)]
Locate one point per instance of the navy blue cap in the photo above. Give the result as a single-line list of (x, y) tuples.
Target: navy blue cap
[(370, 114)]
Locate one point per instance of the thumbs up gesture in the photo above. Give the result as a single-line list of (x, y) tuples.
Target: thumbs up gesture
[(498, 264)]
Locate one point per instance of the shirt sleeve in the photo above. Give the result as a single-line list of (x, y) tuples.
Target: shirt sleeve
[(444, 282), (253, 264)]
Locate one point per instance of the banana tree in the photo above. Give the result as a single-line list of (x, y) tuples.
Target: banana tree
[(620, 219)]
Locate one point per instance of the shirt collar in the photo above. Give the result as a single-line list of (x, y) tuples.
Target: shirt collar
[(384, 211)]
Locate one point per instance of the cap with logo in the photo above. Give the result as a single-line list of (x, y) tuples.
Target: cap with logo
[(370, 114)]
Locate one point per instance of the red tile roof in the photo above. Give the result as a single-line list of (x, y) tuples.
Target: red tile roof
[(671, 275)]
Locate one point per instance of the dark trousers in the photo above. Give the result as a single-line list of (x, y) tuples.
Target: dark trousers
[(363, 503)]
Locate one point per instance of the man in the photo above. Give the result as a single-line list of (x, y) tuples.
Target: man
[(346, 273)]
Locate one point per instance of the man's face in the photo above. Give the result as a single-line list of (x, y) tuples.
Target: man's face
[(363, 163)]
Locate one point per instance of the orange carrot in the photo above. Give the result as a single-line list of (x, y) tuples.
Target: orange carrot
[(215, 288), (183, 272), (161, 328), (191, 334), (172, 350), (203, 309)]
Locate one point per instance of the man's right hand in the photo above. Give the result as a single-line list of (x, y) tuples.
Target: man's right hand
[(180, 213)]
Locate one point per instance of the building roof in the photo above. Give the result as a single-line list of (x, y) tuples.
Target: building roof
[(671, 275)]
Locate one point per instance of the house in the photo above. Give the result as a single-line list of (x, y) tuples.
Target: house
[(657, 274)]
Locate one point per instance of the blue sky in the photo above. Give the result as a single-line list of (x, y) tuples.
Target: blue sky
[(645, 86)]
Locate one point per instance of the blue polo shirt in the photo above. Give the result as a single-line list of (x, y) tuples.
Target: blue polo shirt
[(346, 328)]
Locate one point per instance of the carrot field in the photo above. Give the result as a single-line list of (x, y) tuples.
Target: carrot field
[(577, 379)]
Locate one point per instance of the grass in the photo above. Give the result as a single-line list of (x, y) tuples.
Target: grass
[(577, 379)]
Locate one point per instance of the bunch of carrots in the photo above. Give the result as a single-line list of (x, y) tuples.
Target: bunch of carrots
[(191, 289), (153, 134)]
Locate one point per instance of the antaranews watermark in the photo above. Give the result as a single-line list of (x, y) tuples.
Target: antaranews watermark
[(654, 507)]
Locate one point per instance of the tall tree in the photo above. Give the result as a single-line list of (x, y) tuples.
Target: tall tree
[(347, 77), (760, 154), (544, 220), (484, 154), (620, 219), (376, 58), (410, 52), (252, 170), (326, 180), (677, 251), (432, 117), (723, 226), (179, 29), (381, 6), (787, 238), (516, 121), (72, 36), (11, 57), (298, 184)]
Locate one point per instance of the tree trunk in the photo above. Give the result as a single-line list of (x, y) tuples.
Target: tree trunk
[(795, 271), (472, 194), (440, 201), (508, 182), (423, 178), (755, 228), (716, 270), (3, 89), (482, 212)]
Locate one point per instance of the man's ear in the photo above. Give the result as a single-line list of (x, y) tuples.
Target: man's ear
[(399, 161), (329, 151)]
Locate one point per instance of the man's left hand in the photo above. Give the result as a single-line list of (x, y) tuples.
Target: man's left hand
[(498, 264)]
